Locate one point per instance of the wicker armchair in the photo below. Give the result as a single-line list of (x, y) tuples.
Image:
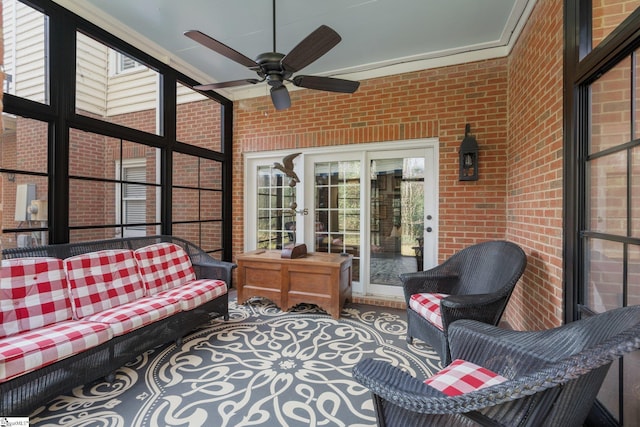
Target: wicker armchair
[(553, 376), (478, 282)]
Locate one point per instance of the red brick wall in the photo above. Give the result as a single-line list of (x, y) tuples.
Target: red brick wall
[(514, 106), (198, 123), (430, 103), (534, 181), (26, 153), (98, 199), (607, 15)]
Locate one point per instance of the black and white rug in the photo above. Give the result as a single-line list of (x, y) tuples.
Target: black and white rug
[(263, 367)]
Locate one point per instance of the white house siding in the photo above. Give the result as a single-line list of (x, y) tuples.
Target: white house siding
[(24, 58), (100, 91), (91, 76), (132, 91), (186, 94)]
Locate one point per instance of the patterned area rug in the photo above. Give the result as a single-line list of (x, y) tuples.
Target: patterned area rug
[(263, 367)]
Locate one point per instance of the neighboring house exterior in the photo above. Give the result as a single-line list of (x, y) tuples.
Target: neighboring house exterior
[(110, 87)]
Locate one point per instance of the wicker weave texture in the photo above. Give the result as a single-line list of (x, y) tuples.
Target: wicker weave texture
[(553, 375), (23, 394), (478, 280)]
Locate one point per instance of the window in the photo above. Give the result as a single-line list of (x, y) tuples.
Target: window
[(107, 89), (26, 49), (197, 208), (131, 199), (198, 119), (610, 234), (603, 149), (114, 187), (276, 224), (23, 181)]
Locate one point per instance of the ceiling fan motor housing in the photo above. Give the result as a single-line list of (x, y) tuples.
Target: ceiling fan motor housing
[(271, 68)]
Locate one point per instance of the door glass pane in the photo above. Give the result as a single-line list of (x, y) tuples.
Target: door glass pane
[(605, 275), (276, 204), (634, 204), (397, 218), (337, 210), (608, 201), (633, 296), (607, 15), (611, 108), (610, 259), (609, 394), (631, 362)]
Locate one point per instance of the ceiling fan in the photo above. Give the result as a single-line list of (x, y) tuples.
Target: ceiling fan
[(276, 68)]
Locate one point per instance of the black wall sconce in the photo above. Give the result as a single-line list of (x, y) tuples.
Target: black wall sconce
[(468, 156)]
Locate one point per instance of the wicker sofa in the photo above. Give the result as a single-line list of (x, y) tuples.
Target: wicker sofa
[(73, 313)]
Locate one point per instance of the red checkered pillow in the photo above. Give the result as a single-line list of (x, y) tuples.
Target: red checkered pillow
[(463, 377), (164, 266), (428, 306), (102, 280), (33, 293)]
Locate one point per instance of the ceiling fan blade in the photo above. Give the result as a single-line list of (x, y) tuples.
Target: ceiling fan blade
[(221, 48), (329, 84), (226, 84), (311, 48), (280, 97)]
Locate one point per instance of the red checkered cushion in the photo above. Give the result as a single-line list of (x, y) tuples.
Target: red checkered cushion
[(34, 349), (33, 293), (463, 377), (428, 306), (164, 266), (196, 293), (128, 317), (102, 280)]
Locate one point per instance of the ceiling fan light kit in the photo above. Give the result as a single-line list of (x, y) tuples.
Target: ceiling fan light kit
[(276, 68)]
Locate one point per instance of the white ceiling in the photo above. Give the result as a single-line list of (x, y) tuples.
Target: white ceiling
[(379, 37)]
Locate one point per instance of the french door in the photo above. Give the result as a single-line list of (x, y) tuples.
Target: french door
[(375, 202), (402, 219), (378, 205)]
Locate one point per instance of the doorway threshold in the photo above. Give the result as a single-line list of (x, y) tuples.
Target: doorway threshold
[(380, 301)]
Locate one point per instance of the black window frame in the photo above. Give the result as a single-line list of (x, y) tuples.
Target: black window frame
[(61, 116), (584, 64)]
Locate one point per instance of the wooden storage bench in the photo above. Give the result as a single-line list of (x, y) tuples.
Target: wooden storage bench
[(318, 278)]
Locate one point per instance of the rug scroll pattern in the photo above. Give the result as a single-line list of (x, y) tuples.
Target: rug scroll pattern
[(262, 367)]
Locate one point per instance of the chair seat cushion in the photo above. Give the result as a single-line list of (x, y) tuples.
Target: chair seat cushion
[(40, 347), (196, 293), (427, 305), (128, 317), (463, 377)]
